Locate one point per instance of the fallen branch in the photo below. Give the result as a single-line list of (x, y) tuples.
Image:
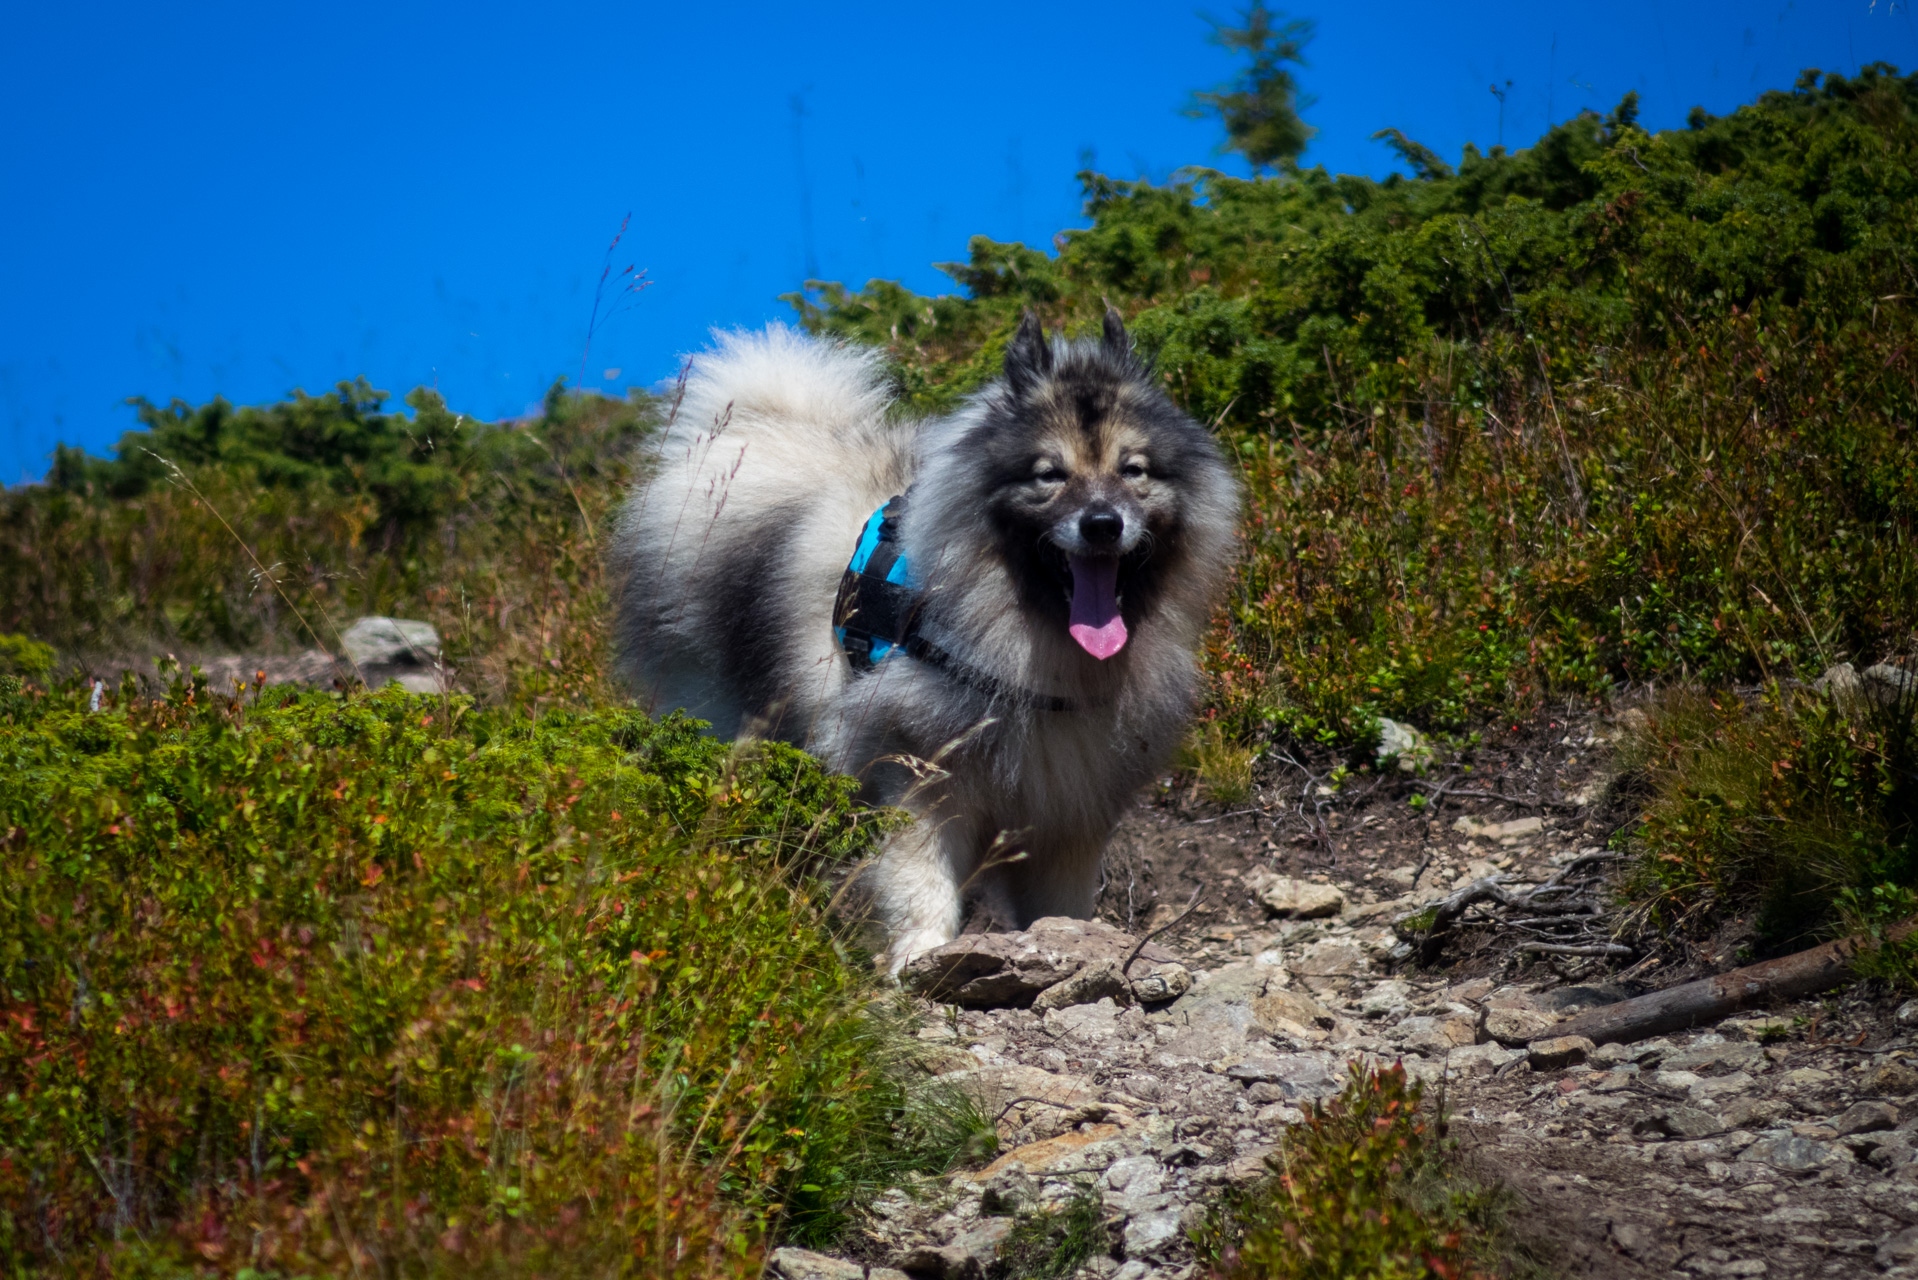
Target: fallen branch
[(1709, 999), (1589, 949)]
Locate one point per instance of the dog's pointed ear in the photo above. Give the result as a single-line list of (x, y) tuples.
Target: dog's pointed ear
[(1029, 356), (1116, 341)]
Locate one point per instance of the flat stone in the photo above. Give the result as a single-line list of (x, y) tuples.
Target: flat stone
[(1002, 970), (1291, 1006), (1731, 1055), (1047, 1155), (1332, 958), (1791, 1152), (1095, 982), (804, 1264), (1711, 1089), (994, 1089), (1153, 1232), (1481, 1059), (1753, 1113), (1386, 999), (1301, 899), (1865, 1117), (1433, 1037), (1562, 1051), (1513, 1026), (1516, 829), (1675, 1121)]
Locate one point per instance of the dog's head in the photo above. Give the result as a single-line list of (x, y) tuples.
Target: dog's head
[(1092, 477)]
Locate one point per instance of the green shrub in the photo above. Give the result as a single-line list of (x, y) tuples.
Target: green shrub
[(271, 528), (317, 983), (20, 656), (1616, 407), (1359, 1192), (1801, 809)]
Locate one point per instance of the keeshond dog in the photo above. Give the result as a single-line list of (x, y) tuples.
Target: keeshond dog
[(991, 618)]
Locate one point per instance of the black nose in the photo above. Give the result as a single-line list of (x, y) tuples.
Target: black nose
[(1101, 527)]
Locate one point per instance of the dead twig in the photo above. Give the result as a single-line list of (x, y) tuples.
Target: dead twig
[(1191, 905)]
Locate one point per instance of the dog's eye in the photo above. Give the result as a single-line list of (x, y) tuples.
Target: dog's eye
[(1134, 469), (1048, 472)]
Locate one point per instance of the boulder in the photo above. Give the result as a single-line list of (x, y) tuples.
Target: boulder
[(1010, 970)]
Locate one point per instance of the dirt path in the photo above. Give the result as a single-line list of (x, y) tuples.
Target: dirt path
[(1777, 1145)]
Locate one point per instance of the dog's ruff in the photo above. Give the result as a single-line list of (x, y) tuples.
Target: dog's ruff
[(1069, 532)]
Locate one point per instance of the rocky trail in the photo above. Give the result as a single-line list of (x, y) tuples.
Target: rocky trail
[(1150, 1073)]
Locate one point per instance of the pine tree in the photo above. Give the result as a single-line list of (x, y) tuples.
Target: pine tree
[(1261, 108)]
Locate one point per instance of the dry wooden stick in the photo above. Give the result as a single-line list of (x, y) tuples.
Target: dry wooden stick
[(1709, 999)]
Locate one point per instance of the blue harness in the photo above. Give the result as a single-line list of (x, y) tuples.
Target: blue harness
[(876, 613)]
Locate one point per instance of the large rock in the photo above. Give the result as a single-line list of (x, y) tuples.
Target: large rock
[(1009, 970)]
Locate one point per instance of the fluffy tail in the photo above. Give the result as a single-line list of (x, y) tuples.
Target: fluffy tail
[(779, 376)]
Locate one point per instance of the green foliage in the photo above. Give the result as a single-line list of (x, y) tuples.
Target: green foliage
[(1260, 111), (394, 984), (284, 521), (1050, 1244), (1802, 808), (1359, 1192), (20, 656), (1615, 407)]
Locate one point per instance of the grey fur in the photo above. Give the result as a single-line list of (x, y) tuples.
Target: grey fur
[(728, 557)]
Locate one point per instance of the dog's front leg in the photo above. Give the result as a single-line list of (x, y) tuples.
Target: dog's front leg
[(917, 885)]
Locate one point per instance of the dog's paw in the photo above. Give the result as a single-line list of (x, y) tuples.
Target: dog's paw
[(909, 946)]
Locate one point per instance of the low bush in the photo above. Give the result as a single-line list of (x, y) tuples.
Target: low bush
[(1359, 1191), (1797, 808), (398, 985), (1617, 407)]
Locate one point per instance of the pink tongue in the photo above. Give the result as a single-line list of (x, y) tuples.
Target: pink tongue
[(1096, 623)]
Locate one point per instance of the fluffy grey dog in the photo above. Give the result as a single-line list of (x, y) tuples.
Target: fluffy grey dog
[(1018, 656)]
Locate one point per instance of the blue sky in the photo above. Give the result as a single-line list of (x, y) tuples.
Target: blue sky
[(237, 200)]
